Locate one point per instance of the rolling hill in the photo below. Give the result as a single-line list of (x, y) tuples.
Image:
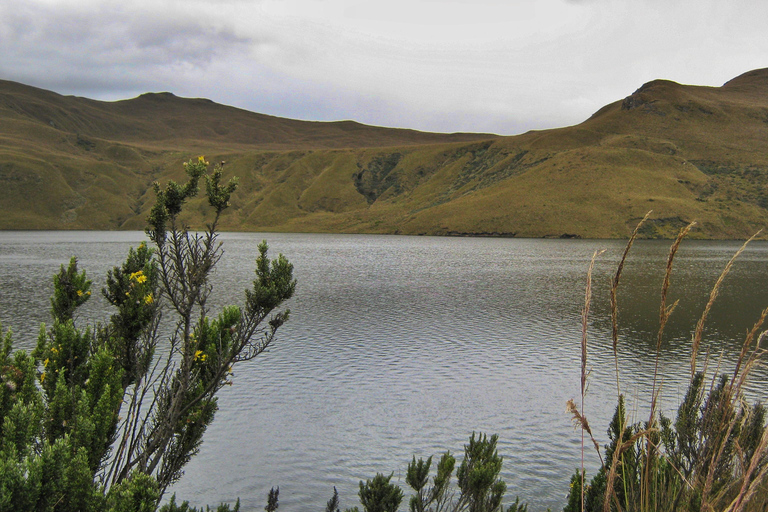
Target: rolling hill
[(686, 152)]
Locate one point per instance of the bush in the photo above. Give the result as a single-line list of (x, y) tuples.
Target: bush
[(94, 418), (713, 456), (479, 487)]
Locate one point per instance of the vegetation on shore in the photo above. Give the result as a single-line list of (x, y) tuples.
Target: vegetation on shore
[(712, 457), (104, 417)]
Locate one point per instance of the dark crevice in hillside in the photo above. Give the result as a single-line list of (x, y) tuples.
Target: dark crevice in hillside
[(490, 166), (262, 160), (480, 160), (711, 167), (280, 162), (746, 183), (84, 143), (482, 165), (514, 167), (377, 177), (15, 175), (691, 106)]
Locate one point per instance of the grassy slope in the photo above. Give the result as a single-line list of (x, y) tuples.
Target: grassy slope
[(686, 152)]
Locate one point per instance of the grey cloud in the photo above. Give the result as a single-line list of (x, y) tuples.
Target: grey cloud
[(307, 60), (108, 47)]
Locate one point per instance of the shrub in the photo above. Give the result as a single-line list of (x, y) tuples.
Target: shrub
[(713, 456), (96, 417), (479, 487)]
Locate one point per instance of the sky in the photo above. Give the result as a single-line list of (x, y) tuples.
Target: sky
[(494, 66)]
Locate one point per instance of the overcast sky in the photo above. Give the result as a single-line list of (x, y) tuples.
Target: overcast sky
[(439, 65)]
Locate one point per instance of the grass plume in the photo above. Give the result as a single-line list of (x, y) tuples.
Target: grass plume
[(712, 296), (614, 296), (712, 457)]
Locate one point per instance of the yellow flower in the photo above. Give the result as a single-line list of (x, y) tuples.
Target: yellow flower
[(149, 299), (54, 350), (88, 292), (42, 377), (79, 293), (45, 363), (201, 159), (198, 354), (138, 276)]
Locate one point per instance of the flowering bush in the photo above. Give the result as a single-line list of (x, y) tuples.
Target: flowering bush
[(93, 419)]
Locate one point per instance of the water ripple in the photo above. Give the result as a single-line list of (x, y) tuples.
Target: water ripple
[(403, 346)]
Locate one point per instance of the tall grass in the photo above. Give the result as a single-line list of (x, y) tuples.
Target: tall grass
[(712, 457)]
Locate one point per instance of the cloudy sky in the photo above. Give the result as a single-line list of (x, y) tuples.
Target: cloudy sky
[(502, 66)]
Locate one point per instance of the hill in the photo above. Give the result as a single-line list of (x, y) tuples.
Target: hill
[(686, 152)]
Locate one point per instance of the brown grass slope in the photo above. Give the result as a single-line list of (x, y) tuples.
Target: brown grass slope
[(685, 152), (74, 163)]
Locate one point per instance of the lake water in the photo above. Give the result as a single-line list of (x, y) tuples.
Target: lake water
[(402, 346)]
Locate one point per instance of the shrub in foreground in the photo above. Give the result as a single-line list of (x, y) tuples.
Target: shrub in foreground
[(103, 417), (478, 487), (712, 457)]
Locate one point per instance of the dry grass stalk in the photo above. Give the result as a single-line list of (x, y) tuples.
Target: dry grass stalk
[(723, 416), (749, 485), (585, 322), (664, 311), (621, 447), (580, 421), (712, 296), (739, 376), (614, 297), (584, 373)]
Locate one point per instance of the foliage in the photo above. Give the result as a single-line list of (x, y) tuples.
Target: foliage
[(380, 495), (105, 417), (701, 458), (272, 498), (479, 487), (171, 506), (713, 456), (333, 504)]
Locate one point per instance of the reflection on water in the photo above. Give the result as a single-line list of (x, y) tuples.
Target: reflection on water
[(402, 346)]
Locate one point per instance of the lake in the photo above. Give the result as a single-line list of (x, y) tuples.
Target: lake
[(402, 346)]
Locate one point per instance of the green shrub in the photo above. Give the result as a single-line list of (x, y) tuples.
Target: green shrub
[(479, 487), (713, 456), (93, 419)]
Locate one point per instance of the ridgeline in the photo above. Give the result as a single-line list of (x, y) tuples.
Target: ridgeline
[(685, 152)]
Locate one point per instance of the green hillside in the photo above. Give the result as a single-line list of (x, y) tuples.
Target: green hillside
[(685, 152)]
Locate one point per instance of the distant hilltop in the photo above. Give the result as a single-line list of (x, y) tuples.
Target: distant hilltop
[(685, 152)]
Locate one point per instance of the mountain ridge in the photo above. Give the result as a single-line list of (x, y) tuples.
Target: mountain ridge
[(686, 152), (171, 114)]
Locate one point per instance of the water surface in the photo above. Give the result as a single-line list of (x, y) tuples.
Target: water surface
[(402, 346)]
